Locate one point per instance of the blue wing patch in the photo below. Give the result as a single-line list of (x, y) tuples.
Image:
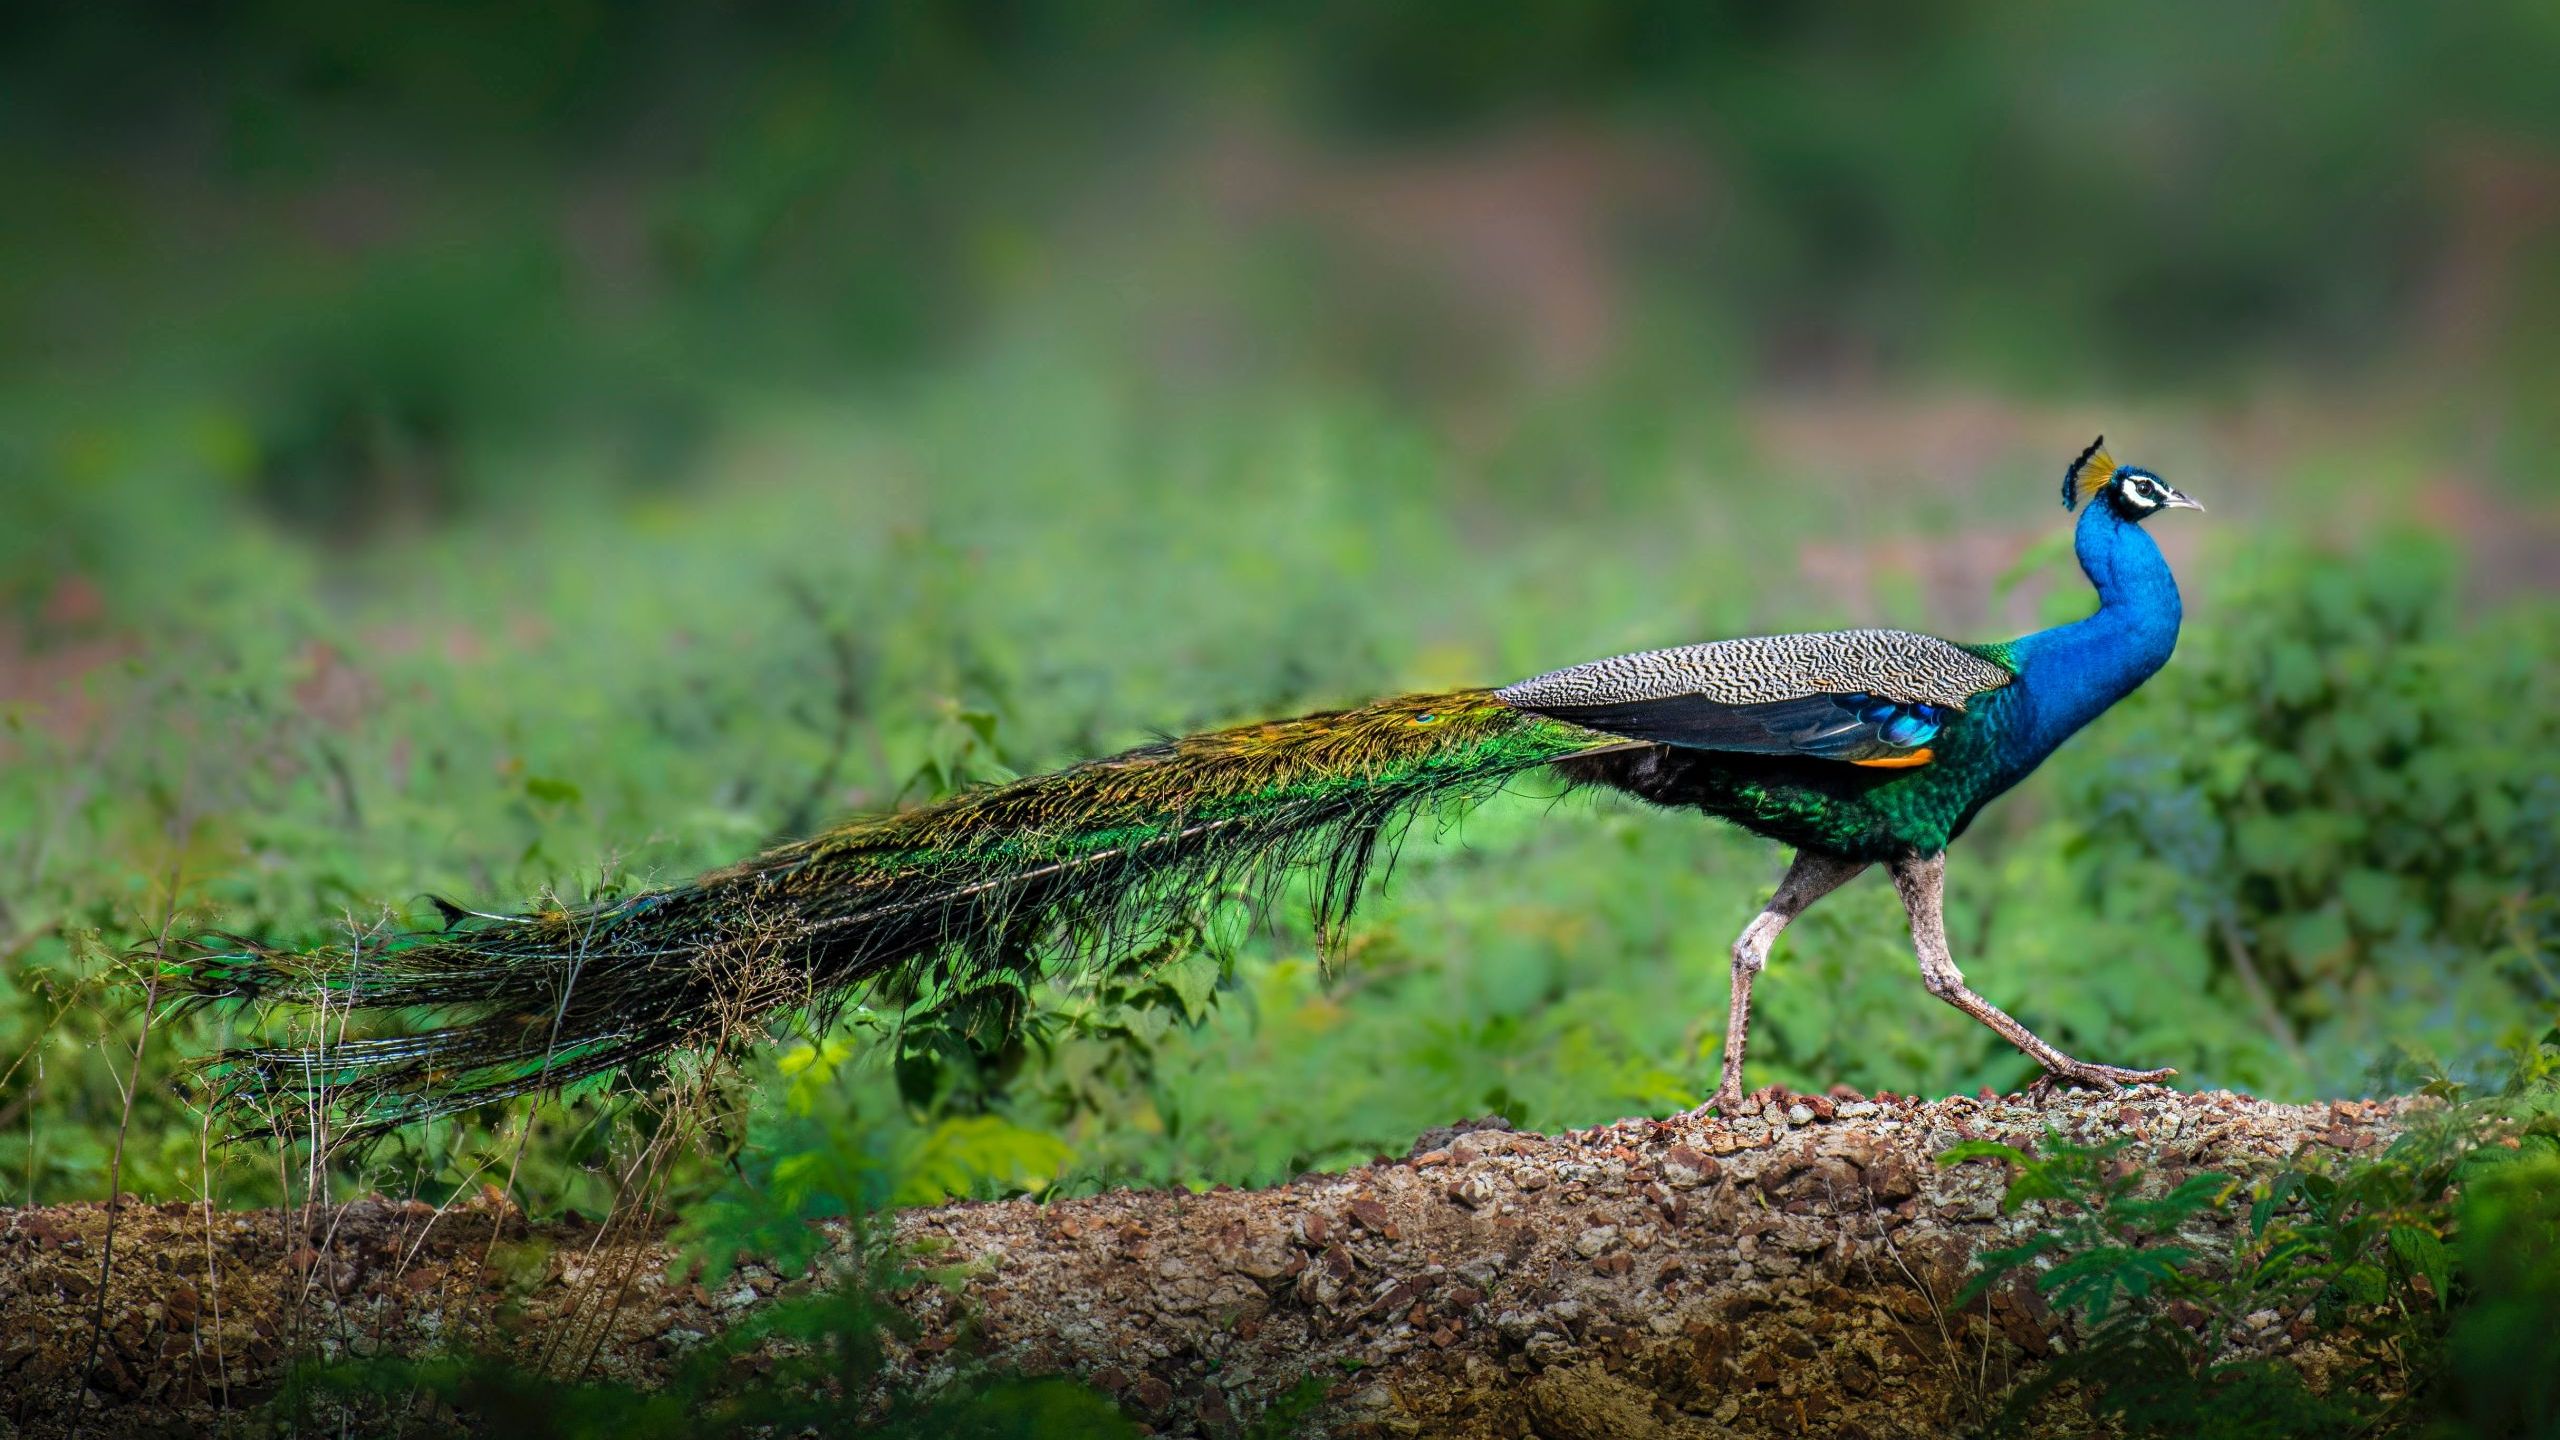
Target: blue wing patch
[(1856, 727)]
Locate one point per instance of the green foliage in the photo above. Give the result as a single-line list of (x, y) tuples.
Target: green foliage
[(2345, 818), (1511, 966), (565, 524), (843, 1152), (2431, 1267), (2504, 1349), (2113, 1234), (2159, 199)]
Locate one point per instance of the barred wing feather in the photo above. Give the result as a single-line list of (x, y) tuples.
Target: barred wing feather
[(1869, 697)]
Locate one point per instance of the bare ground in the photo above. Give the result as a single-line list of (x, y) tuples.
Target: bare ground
[(1790, 1272)]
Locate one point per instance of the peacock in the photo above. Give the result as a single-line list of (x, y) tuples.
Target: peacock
[(1855, 747)]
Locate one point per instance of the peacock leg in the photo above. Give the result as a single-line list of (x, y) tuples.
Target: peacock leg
[(1922, 882), (1811, 877)]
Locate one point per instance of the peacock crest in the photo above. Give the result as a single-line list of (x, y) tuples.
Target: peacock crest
[(2088, 474)]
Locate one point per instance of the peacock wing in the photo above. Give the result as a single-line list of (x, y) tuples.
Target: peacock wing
[(1867, 697)]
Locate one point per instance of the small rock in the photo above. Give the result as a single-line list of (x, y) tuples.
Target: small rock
[(1548, 1348), (1369, 1400), (1371, 1216), (1319, 1286), (1891, 1182), (1443, 1137), (1804, 1240), (1596, 1241), (1799, 1114), (1686, 1169)]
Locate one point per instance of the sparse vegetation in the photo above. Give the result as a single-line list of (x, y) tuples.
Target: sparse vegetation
[(2423, 1263)]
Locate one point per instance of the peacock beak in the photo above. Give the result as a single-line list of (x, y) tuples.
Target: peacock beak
[(2178, 501)]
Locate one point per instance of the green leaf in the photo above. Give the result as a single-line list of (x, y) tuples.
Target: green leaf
[(2363, 1283), (1991, 1265), (961, 1152), (551, 791), (1962, 1151), (2421, 1252)]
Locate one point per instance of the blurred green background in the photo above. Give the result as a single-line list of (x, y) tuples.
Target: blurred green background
[(489, 449)]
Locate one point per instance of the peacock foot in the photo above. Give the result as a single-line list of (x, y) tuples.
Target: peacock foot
[(2096, 1077)]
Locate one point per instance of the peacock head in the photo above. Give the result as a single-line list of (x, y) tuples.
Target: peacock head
[(2134, 494)]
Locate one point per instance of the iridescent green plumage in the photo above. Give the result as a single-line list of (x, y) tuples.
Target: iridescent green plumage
[(1848, 810), (1043, 873)]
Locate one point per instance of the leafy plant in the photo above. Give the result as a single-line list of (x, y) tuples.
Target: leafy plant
[(839, 1153), (2116, 1242), (2429, 1266), (2344, 808)]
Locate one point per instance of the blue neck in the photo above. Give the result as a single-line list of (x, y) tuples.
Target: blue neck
[(2072, 673)]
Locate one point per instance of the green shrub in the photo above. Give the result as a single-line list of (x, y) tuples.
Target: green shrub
[(2430, 1267), (2338, 776)]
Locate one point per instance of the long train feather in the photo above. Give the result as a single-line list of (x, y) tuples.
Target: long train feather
[(1045, 873)]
